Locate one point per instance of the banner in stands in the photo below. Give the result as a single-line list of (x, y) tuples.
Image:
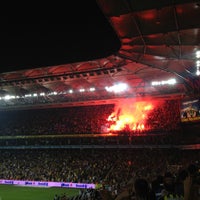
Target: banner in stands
[(190, 111), (47, 184)]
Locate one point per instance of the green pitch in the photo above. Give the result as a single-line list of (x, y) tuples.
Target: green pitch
[(10, 192)]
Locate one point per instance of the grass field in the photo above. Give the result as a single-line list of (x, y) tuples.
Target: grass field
[(10, 192)]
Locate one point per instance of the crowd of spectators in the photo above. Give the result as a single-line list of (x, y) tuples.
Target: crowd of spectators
[(83, 126), (62, 129), (112, 168), (71, 120), (81, 120)]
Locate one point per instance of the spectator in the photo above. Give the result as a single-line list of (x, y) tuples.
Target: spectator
[(141, 191)]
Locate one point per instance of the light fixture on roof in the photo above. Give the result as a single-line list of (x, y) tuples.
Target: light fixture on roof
[(92, 89), (198, 63), (198, 72), (164, 82), (120, 87), (82, 90), (197, 54)]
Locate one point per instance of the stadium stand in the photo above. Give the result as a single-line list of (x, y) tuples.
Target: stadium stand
[(139, 144)]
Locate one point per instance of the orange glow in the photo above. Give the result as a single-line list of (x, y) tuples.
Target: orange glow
[(130, 115)]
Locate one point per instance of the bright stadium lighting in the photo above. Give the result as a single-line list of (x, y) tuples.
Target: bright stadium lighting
[(8, 97), (82, 90), (28, 95), (197, 72), (121, 87), (164, 82), (171, 81), (197, 54), (198, 63), (92, 89), (154, 83)]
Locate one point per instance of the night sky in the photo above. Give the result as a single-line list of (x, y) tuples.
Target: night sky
[(34, 35)]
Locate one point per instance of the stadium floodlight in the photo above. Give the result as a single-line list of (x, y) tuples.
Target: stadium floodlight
[(198, 63), (120, 87), (8, 97), (197, 72), (82, 90), (197, 54), (171, 81), (164, 82), (53, 93), (28, 95), (92, 89)]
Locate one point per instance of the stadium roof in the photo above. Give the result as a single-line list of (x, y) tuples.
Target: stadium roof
[(159, 41)]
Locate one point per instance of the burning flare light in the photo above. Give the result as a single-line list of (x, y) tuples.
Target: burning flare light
[(129, 115)]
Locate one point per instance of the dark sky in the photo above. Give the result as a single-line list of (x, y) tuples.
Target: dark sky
[(34, 36)]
